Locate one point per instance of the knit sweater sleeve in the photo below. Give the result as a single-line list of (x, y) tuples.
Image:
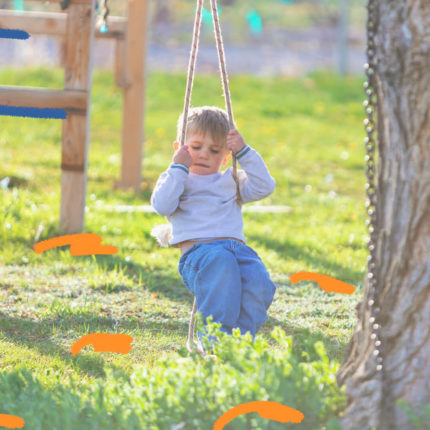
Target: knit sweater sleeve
[(255, 181), (169, 188)]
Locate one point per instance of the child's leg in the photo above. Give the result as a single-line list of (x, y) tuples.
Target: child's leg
[(257, 290), (212, 273)]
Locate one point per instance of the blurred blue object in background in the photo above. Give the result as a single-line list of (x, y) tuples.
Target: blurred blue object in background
[(254, 21), (18, 5), (207, 16)]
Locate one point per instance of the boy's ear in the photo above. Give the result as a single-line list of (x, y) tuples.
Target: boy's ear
[(176, 145)]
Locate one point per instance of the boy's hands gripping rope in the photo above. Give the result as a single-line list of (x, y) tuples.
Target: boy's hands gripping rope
[(235, 141), (182, 156)]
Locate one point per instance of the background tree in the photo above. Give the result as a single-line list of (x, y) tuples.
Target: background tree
[(402, 49)]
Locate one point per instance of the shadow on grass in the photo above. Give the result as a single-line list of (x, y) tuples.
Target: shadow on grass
[(290, 250), (155, 280), (31, 334)]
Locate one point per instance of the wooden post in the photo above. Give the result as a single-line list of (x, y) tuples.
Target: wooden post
[(54, 23), (76, 127), (120, 78), (134, 91)]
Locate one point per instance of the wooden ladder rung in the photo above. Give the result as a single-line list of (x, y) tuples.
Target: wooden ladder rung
[(54, 23), (72, 100)]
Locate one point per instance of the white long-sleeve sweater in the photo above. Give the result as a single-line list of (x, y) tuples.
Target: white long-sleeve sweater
[(204, 206)]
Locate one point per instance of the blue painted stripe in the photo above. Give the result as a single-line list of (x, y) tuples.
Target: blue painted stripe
[(180, 166), (243, 149), (31, 112), (7, 33), (242, 152)]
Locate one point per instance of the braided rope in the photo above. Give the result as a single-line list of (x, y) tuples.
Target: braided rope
[(187, 102), (222, 63), (190, 339), (190, 80), (191, 68), (224, 78)]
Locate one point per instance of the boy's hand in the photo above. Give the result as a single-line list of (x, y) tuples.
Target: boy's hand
[(182, 156), (235, 141)]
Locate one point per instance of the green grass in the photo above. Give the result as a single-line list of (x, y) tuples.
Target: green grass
[(309, 132)]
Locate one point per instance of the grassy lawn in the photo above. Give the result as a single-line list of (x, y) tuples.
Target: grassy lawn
[(309, 132)]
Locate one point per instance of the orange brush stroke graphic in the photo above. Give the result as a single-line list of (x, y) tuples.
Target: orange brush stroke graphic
[(104, 342), (269, 410), (11, 421), (80, 244), (327, 283)]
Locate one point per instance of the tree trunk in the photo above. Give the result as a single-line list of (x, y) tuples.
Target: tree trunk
[(403, 239)]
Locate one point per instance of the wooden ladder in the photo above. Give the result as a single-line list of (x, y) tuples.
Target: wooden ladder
[(75, 100), (76, 27)]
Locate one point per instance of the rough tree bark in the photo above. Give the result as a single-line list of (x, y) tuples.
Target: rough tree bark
[(403, 244)]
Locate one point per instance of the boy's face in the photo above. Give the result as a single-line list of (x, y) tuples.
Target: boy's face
[(208, 156)]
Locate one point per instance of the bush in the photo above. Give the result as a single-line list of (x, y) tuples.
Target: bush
[(190, 392)]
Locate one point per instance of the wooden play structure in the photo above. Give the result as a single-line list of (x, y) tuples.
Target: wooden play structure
[(76, 25)]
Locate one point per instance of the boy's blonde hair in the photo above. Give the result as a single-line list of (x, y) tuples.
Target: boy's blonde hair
[(204, 120)]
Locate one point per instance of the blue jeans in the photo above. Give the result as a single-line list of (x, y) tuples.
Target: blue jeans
[(230, 282)]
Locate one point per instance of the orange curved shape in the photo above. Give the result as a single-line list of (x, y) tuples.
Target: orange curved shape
[(80, 244), (327, 283), (269, 410), (104, 342), (11, 421)]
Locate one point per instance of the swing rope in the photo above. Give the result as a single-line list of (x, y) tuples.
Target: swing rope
[(187, 102), (224, 77), (191, 68)]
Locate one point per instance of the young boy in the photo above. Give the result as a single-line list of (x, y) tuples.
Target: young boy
[(228, 278)]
